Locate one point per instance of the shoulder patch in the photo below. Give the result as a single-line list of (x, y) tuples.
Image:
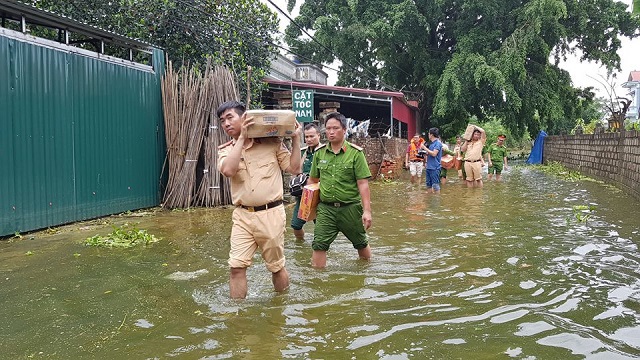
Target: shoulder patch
[(225, 144), (355, 146)]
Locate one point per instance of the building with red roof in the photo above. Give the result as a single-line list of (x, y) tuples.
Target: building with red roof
[(389, 112)]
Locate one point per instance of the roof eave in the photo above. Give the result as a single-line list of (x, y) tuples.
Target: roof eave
[(50, 19)]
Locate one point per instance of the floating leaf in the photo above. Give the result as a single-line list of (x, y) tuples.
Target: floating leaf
[(121, 237)]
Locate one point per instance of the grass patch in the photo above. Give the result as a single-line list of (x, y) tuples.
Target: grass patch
[(122, 237), (556, 169)]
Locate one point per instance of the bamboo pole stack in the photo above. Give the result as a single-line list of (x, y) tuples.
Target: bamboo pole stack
[(214, 188), (193, 133)]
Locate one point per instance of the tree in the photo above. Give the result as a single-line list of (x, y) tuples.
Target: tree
[(237, 33), (463, 58)]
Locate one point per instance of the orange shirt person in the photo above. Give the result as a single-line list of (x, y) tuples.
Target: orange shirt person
[(412, 161)]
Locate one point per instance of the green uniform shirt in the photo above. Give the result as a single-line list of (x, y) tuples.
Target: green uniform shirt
[(338, 173), (307, 158), (497, 152)]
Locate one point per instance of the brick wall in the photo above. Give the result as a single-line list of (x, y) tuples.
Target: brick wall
[(610, 157), (392, 160)]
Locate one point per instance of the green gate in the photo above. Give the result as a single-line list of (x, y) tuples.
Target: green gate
[(81, 136)]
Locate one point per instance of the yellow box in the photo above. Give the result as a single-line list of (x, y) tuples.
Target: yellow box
[(309, 202), (268, 123)]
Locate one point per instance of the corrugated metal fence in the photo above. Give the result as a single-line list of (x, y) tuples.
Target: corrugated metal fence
[(80, 137)]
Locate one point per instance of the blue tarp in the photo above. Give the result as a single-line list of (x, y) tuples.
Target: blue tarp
[(538, 147)]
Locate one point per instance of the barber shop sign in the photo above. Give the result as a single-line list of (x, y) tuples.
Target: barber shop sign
[(303, 105)]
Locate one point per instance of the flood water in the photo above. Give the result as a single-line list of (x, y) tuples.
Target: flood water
[(507, 271)]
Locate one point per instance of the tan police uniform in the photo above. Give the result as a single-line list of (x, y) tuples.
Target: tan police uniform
[(259, 219), (472, 158)]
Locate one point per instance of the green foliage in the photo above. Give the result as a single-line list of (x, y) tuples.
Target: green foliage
[(556, 169), (494, 126), (238, 33), (632, 126), (582, 213), (482, 58), (122, 237), (589, 128)]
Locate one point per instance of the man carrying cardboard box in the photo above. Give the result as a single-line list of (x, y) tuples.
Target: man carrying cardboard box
[(473, 160), (345, 206), (259, 220), (312, 140)]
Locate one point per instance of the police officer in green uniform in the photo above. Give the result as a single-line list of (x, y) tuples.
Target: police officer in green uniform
[(312, 140), (345, 204), (497, 156)]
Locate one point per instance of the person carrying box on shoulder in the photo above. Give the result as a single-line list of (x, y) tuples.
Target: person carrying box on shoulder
[(253, 167), (473, 160)]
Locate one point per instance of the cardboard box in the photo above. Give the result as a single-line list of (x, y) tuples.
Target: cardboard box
[(268, 123), (447, 161), (309, 202), (469, 132)]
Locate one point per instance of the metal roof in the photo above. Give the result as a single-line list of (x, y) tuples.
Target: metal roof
[(341, 89), (15, 10)]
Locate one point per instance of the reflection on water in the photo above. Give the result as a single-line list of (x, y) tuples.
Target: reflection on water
[(503, 271)]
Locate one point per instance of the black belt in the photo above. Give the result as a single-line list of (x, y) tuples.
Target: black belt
[(337, 204), (416, 161), (473, 160), (262, 207)]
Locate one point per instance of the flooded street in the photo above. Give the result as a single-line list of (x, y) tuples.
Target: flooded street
[(512, 270)]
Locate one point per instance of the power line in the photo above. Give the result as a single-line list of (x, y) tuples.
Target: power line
[(199, 33), (270, 41), (302, 56), (329, 50)]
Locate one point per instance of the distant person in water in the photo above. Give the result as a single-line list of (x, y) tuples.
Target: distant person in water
[(443, 170), (459, 156), (434, 155), (497, 158), (412, 160), (473, 161)]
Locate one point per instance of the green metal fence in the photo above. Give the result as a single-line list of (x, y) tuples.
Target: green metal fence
[(80, 136)]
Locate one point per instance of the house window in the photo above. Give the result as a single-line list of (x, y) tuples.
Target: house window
[(302, 73)]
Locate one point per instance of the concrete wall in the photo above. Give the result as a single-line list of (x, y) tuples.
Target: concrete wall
[(610, 157)]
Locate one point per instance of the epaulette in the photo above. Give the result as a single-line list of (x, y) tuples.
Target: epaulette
[(225, 144), (355, 146), (304, 148), (321, 146)]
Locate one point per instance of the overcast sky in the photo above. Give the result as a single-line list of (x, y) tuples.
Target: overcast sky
[(582, 73)]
